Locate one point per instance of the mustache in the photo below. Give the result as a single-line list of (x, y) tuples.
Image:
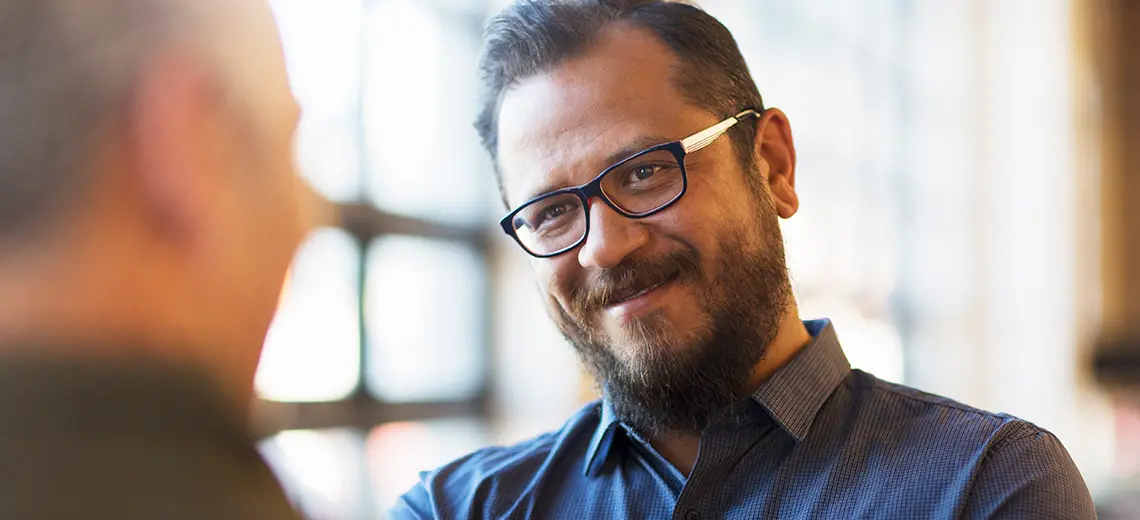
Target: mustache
[(607, 286)]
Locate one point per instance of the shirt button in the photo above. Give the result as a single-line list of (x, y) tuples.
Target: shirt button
[(693, 514)]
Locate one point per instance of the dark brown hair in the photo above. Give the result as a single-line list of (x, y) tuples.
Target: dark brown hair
[(535, 36)]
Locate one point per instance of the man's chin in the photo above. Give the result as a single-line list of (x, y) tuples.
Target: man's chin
[(640, 350), (648, 335)]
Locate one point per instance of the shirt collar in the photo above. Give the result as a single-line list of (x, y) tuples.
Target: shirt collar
[(793, 395), (797, 391), (603, 439)]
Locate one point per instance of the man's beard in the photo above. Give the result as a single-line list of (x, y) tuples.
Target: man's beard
[(665, 382)]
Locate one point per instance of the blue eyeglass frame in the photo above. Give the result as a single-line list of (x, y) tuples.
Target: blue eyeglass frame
[(680, 149)]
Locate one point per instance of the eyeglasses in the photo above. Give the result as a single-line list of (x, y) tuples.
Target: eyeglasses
[(638, 186)]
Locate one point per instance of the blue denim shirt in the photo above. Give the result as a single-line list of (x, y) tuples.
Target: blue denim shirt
[(817, 440)]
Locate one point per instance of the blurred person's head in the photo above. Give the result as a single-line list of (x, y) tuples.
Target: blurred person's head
[(675, 304), (148, 202)]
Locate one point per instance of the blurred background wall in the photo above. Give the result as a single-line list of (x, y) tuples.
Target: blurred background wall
[(965, 176)]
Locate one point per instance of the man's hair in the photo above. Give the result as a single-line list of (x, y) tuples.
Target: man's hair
[(67, 70), (533, 37)]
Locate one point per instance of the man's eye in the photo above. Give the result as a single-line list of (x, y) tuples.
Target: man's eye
[(643, 172), (553, 212), (554, 215)]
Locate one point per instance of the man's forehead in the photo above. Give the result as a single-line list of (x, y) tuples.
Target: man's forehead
[(617, 93), (567, 148)]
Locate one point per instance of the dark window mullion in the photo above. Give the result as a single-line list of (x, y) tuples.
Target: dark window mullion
[(362, 240)]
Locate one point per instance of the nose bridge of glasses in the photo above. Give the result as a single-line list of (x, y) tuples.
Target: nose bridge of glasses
[(592, 189), (593, 193)]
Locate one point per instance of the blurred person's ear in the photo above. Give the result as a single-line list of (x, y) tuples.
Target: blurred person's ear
[(180, 144)]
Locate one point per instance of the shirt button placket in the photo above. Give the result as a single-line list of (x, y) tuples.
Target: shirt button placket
[(692, 514)]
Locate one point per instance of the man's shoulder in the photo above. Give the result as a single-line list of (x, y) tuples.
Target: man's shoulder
[(1002, 465), (994, 464), (521, 461), (900, 410), (489, 477)]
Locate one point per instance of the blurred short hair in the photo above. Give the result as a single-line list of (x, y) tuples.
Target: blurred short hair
[(66, 71)]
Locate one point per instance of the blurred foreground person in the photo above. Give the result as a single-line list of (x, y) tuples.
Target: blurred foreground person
[(645, 180), (148, 213)]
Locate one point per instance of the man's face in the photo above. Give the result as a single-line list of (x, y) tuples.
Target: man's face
[(670, 312), (258, 220)]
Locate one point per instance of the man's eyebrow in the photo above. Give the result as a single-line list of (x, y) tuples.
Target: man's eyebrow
[(633, 147)]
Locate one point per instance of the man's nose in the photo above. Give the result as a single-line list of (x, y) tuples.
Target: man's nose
[(612, 237)]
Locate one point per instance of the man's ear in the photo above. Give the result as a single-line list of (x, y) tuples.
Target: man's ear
[(175, 143), (776, 156)]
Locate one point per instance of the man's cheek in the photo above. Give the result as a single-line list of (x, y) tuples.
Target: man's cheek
[(563, 313)]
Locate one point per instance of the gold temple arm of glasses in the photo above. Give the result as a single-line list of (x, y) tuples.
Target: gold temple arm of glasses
[(705, 137)]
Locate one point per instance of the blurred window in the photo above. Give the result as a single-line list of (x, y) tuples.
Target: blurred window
[(379, 349)]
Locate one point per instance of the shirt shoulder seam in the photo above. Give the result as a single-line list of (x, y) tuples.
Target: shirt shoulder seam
[(879, 385)]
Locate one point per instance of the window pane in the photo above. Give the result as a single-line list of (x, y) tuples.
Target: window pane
[(312, 352), (323, 472), (424, 316), (322, 50), (398, 452), (424, 159)]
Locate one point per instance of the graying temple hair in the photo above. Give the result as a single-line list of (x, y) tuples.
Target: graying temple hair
[(67, 69)]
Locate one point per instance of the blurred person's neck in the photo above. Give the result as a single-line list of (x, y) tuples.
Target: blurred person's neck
[(98, 290), (681, 448)]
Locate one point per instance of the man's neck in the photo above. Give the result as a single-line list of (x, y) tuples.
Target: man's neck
[(790, 339), (681, 448), (67, 313)]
